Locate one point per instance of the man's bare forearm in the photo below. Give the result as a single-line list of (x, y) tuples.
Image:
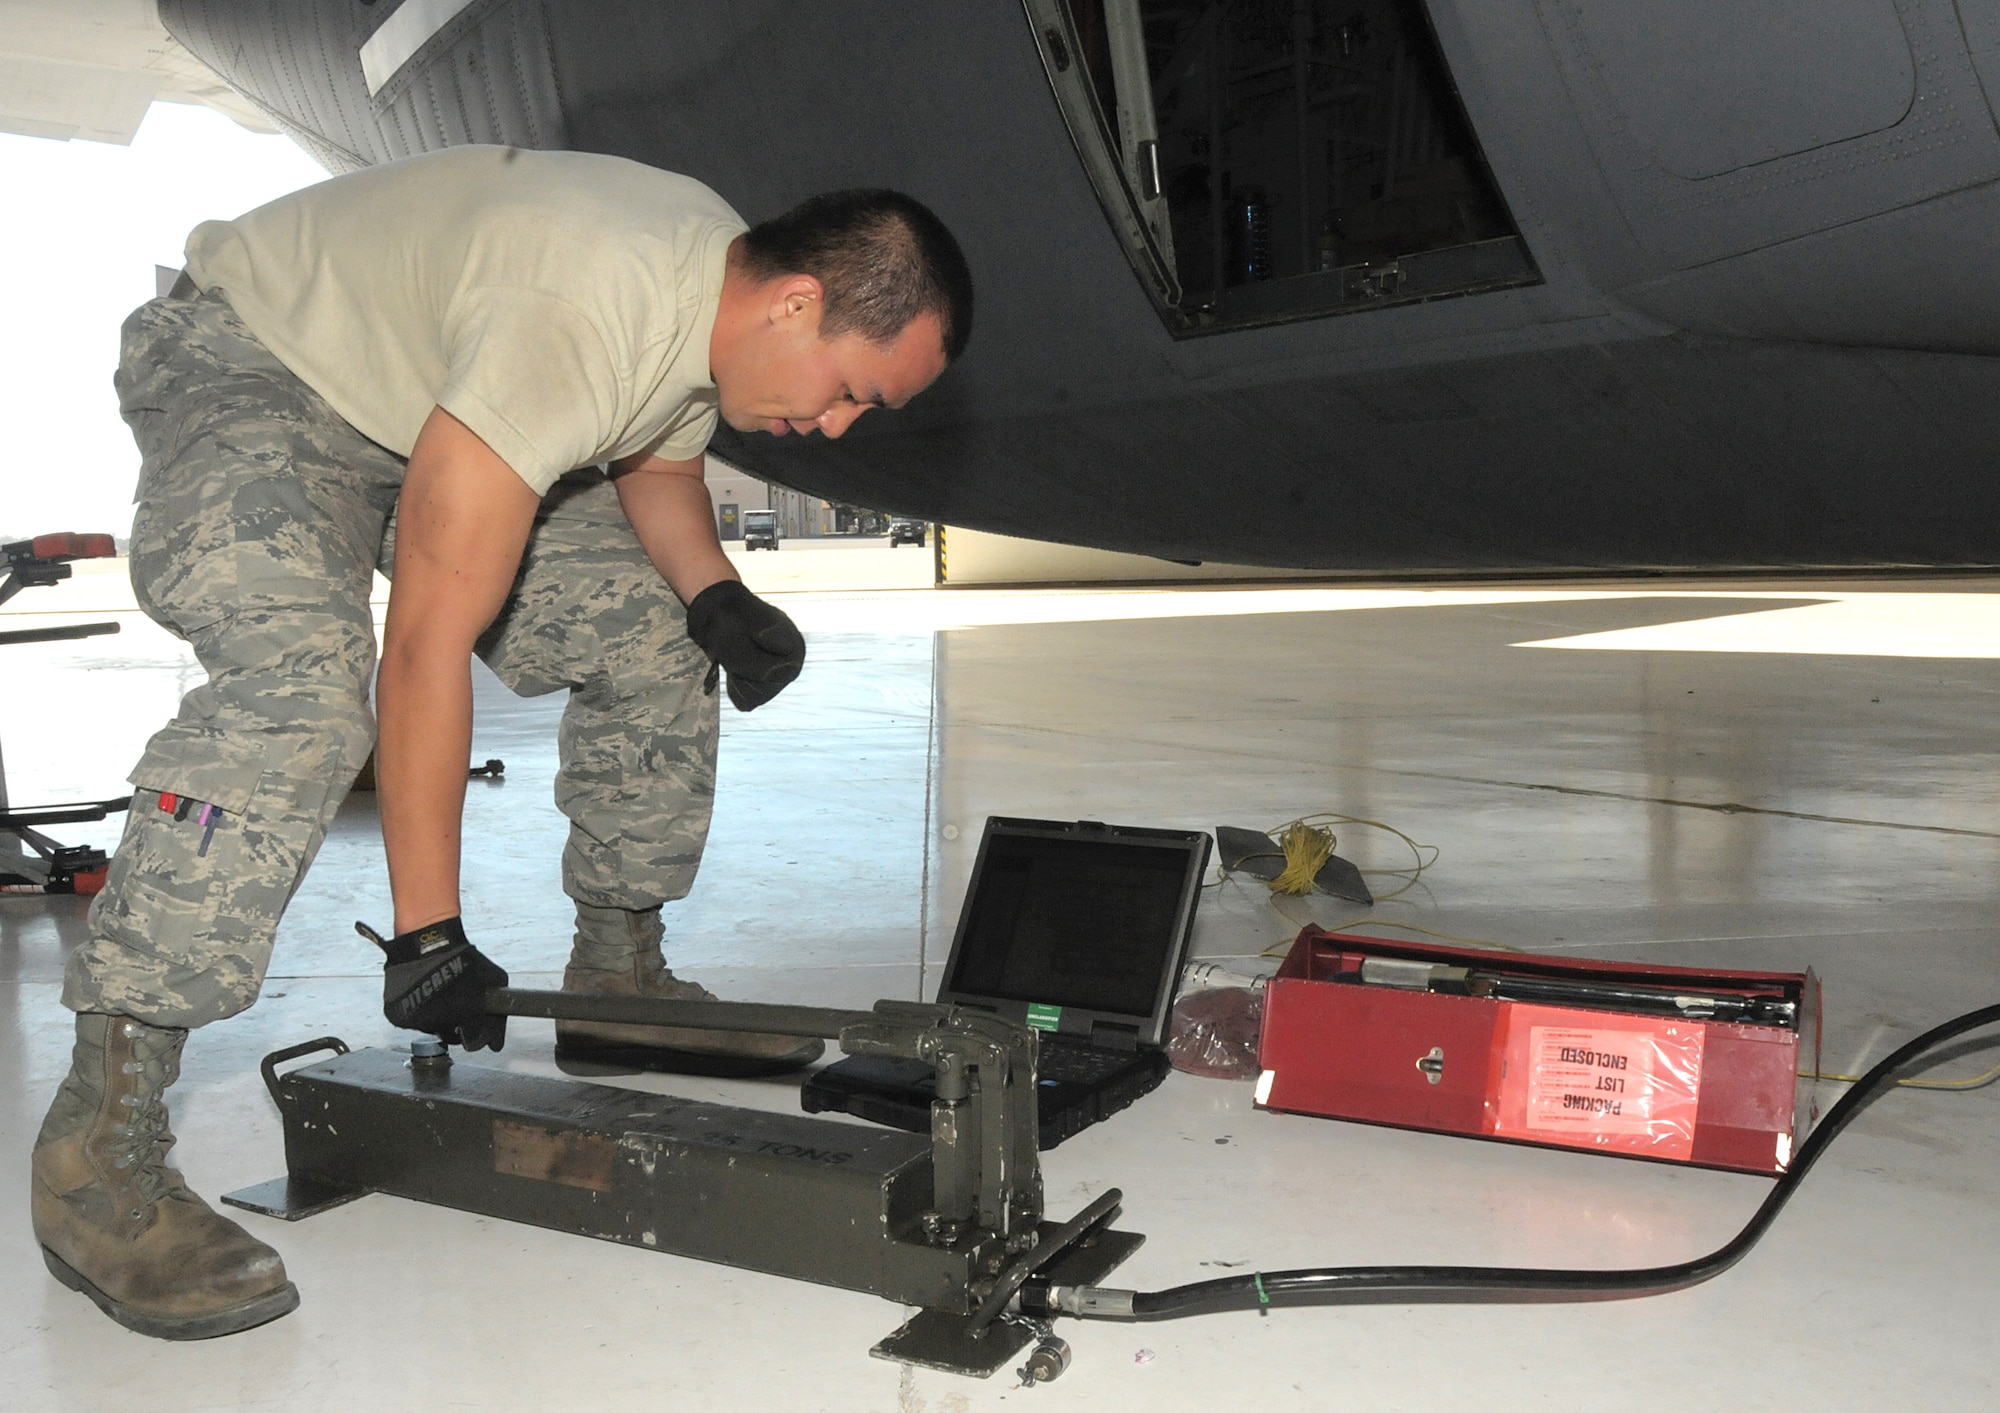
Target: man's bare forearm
[(462, 523), (670, 510), (424, 709)]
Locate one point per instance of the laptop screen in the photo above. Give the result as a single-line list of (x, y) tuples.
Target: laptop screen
[(1073, 922)]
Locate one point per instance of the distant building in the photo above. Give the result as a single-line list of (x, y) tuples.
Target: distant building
[(732, 492)]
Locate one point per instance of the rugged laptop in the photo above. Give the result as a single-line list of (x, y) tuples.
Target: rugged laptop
[(1077, 929)]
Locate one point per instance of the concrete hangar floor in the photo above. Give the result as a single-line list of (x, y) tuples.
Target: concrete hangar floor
[(1563, 747)]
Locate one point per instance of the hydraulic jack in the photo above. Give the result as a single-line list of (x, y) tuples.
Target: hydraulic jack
[(952, 1224)]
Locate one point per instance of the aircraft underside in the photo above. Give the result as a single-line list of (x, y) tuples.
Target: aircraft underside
[(1493, 285)]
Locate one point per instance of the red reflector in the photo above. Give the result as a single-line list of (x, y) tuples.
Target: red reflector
[(72, 547)]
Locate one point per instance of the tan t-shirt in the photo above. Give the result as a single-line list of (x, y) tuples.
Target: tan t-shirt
[(557, 303)]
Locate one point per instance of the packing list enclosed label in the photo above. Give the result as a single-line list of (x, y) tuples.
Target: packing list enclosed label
[(1631, 1084)]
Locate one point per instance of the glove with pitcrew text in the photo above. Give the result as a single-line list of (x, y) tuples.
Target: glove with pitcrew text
[(759, 648), (434, 980)]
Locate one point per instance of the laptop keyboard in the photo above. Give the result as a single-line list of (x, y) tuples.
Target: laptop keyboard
[(1080, 1063)]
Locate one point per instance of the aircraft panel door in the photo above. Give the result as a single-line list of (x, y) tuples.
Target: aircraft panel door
[(1712, 86), (1724, 126), (1265, 161)]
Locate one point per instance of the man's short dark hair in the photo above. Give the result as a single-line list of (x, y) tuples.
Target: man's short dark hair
[(883, 258)]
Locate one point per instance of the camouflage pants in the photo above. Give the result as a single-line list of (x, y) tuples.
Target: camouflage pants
[(261, 517)]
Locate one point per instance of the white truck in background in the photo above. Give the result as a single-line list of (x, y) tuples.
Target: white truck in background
[(760, 529)]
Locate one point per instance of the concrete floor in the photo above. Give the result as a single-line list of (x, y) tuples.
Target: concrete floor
[(1566, 750)]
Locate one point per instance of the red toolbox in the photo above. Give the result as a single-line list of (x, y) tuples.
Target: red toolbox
[(1672, 1063)]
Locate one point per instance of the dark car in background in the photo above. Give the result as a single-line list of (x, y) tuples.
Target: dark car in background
[(904, 531)]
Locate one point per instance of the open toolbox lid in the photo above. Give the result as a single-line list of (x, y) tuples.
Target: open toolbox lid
[(1681, 1064)]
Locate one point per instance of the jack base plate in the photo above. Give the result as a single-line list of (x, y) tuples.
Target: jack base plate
[(292, 1199), (934, 1340)]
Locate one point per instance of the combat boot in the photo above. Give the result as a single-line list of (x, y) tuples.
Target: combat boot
[(617, 953), (116, 1223)]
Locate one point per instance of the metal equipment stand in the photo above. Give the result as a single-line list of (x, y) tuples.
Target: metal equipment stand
[(52, 867), (952, 1224)]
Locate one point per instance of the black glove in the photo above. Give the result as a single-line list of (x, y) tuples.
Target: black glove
[(759, 647), (435, 980)]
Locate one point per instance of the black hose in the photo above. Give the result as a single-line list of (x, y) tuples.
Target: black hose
[(1391, 1285)]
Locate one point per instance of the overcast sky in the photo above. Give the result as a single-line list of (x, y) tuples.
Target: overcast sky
[(87, 223)]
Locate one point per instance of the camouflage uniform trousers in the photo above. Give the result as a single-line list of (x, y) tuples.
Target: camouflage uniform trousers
[(261, 516)]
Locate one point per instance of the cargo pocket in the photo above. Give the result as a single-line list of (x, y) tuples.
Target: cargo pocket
[(215, 767), (170, 936)]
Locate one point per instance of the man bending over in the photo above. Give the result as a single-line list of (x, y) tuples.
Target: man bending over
[(423, 366)]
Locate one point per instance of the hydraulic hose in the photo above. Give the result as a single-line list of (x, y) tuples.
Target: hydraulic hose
[(1398, 1285)]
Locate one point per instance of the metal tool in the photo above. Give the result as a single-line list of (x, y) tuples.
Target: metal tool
[(46, 866), (1417, 975), (1046, 1364), (952, 1224)]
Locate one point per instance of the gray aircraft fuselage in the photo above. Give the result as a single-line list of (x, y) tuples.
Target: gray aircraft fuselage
[(1751, 319)]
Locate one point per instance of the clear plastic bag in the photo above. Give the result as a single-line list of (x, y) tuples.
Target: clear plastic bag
[(1625, 1083), (1214, 1031)]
